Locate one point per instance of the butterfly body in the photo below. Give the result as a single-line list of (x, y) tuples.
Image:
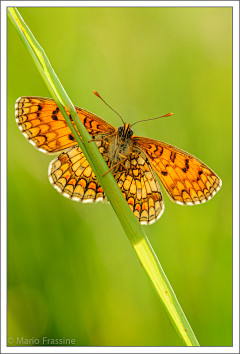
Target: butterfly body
[(132, 160), (120, 144)]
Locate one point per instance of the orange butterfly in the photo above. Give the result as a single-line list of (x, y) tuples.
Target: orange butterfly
[(131, 159)]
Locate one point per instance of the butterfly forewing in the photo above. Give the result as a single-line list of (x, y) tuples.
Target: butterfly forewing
[(187, 180), (41, 122)]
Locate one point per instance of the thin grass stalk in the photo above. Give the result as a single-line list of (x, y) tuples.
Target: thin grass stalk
[(131, 226)]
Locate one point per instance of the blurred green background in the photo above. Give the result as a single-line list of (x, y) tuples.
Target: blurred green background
[(71, 270)]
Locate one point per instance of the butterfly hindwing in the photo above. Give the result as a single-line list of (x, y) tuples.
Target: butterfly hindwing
[(139, 187), (72, 176)]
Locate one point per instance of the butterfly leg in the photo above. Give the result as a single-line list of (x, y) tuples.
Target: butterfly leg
[(106, 137), (114, 174), (115, 166), (97, 140)]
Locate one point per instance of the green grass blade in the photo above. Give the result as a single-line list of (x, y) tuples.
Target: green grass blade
[(131, 226)]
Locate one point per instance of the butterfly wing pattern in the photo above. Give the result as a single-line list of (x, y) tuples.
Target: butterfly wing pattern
[(71, 174), (42, 123), (186, 179)]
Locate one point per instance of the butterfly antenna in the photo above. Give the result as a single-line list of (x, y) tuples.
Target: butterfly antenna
[(144, 120), (97, 94)]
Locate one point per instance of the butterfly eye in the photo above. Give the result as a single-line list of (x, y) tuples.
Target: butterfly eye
[(120, 130), (130, 133)]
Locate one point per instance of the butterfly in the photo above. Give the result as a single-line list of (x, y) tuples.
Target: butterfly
[(132, 160)]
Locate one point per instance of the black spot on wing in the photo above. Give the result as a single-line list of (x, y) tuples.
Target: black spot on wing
[(186, 164), (56, 111), (173, 156)]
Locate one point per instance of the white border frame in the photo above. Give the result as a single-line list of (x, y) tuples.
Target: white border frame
[(77, 349)]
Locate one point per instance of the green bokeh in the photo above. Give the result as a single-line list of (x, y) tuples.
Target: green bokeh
[(71, 270)]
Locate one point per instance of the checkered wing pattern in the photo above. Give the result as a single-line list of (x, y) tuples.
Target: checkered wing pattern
[(72, 176), (139, 186)]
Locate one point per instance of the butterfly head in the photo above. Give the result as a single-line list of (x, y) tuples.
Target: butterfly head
[(125, 132)]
